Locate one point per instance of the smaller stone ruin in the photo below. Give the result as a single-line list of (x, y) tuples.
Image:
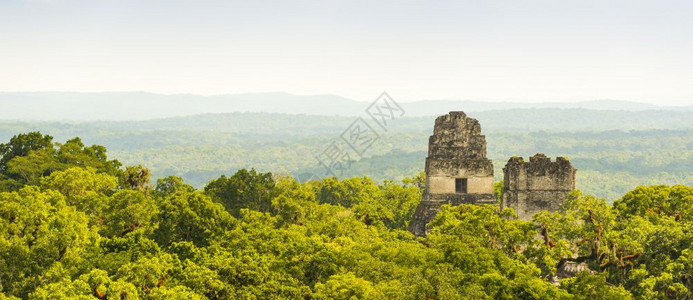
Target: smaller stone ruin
[(540, 184)]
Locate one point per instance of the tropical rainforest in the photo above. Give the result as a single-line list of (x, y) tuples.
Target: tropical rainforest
[(614, 151), (76, 224)]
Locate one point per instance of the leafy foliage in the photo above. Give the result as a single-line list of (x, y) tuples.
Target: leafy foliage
[(28, 157), (245, 189)]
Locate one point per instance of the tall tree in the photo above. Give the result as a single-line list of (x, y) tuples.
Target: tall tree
[(245, 189), (21, 145)]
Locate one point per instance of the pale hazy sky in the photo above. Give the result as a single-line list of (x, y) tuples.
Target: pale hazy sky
[(481, 50)]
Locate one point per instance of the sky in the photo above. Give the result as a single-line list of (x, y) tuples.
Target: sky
[(525, 51)]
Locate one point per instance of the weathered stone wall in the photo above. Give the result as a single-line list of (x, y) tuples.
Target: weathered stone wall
[(455, 150), (537, 185), (441, 173)]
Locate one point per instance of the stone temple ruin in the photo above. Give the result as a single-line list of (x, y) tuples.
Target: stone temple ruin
[(457, 171)]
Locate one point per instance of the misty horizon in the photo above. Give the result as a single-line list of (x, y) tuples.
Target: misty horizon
[(653, 103), (124, 106)]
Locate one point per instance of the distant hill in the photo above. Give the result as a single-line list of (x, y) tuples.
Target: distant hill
[(119, 106), (518, 119)]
